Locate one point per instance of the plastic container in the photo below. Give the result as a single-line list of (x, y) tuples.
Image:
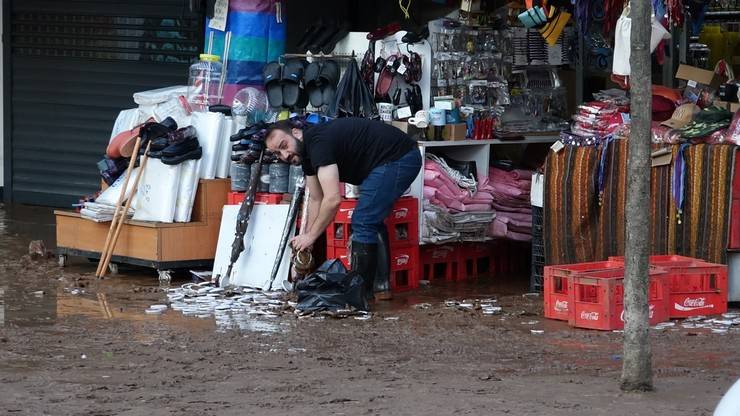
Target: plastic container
[(296, 171), (203, 82), (240, 174), (279, 173), (264, 182)]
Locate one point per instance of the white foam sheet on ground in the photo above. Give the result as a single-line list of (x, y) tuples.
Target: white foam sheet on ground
[(186, 193), (208, 126), (224, 149), (261, 242), (157, 193)]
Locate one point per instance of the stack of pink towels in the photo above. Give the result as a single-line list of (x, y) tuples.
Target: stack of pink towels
[(511, 202), (442, 191)]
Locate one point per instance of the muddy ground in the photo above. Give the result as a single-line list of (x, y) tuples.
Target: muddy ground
[(71, 345)]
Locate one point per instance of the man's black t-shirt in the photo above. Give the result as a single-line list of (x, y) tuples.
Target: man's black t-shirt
[(356, 145)]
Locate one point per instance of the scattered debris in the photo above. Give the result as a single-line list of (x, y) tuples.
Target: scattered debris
[(537, 331), (37, 249), (422, 306)]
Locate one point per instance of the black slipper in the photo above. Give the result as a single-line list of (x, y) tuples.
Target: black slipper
[(329, 77), (291, 81), (313, 84), (302, 100), (271, 75), (176, 160)]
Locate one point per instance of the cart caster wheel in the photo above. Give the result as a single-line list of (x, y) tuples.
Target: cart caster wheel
[(113, 268), (165, 277), (62, 260)]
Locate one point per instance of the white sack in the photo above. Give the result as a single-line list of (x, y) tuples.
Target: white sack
[(157, 193), (187, 189), (224, 156), (159, 95), (208, 126), (111, 194)]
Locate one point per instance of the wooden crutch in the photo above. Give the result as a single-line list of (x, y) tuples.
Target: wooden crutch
[(119, 225), (119, 204)]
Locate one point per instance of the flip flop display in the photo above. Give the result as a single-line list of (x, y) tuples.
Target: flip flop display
[(291, 82), (271, 74), (313, 84)]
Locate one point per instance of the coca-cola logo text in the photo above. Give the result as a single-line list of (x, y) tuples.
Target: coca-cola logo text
[(402, 260), (590, 316), (400, 213), (694, 303), (561, 305)]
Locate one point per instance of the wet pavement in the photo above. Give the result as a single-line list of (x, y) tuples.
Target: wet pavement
[(78, 345)]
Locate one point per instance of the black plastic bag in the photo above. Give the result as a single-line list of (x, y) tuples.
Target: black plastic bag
[(331, 287)]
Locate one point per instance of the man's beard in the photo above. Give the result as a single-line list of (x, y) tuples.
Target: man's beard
[(299, 150)]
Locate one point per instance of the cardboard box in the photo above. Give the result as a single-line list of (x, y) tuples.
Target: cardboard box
[(451, 132), (413, 131), (700, 76), (732, 107)]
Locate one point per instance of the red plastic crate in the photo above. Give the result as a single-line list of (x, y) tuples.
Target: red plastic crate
[(557, 282), (339, 231), (695, 286), (440, 262), (597, 299), (476, 260), (698, 288), (340, 253), (404, 268), (403, 223), (260, 198)]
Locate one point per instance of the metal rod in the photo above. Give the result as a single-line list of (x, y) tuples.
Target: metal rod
[(222, 80), (289, 221)]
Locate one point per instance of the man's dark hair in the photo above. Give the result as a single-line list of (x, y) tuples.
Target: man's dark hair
[(285, 126)]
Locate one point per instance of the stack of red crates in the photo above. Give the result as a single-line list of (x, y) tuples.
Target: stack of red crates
[(476, 260), (440, 263), (403, 234), (589, 295)]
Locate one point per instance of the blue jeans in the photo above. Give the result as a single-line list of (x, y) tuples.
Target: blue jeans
[(379, 191)]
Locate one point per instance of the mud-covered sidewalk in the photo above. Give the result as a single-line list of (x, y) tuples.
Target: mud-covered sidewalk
[(72, 345)]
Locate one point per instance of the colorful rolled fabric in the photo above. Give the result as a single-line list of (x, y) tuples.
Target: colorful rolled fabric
[(257, 37)]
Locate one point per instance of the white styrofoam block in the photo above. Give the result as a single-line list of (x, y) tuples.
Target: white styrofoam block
[(261, 242)]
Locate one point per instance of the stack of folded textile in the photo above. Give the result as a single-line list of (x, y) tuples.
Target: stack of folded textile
[(597, 118), (511, 201), (444, 191), (98, 212), (454, 208)]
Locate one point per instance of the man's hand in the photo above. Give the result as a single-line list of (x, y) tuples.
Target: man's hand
[(302, 242)]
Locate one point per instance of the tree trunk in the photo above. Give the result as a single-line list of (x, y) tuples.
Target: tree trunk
[(637, 366)]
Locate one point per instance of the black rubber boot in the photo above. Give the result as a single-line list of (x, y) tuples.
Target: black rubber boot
[(382, 287), (364, 260)]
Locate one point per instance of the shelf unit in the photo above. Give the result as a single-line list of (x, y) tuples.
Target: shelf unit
[(468, 150)]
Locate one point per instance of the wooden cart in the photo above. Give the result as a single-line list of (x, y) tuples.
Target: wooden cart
[(162, 246)]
